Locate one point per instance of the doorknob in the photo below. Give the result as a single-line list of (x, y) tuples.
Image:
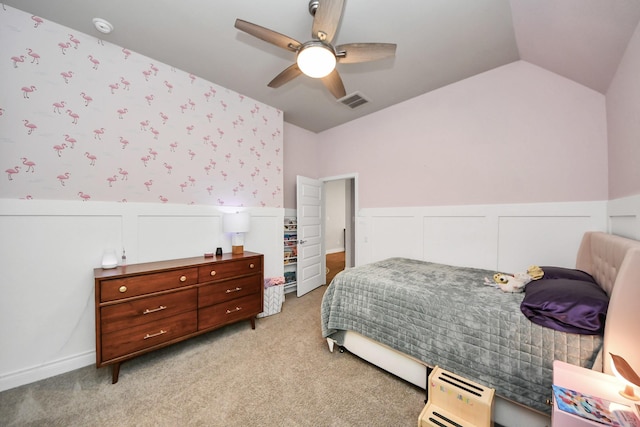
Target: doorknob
[(301, 241)]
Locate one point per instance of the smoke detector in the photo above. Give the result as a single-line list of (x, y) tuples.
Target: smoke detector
[(102, 25)]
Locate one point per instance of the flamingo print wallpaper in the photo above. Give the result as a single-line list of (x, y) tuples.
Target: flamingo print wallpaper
[(83, 119)]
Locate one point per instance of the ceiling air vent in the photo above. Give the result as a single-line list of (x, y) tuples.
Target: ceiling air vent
[(353, 100)]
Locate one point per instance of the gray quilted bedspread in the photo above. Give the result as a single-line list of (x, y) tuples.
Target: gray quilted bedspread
[(447, 316)]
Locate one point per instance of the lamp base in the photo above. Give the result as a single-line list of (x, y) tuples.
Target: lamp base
[(628, 393), (237, 250)]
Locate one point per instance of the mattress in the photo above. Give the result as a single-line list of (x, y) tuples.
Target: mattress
[(447, 316)]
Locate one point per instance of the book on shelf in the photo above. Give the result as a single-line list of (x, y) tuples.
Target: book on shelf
[(595, 408)]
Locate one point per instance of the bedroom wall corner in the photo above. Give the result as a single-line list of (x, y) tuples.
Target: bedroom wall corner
[(624, 216)]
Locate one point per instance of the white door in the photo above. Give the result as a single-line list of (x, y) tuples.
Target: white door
[(311, 260)]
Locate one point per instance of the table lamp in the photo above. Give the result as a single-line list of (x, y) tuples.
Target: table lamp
[(625, 372), (237, 224)]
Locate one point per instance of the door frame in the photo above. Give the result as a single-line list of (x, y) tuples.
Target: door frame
[(351, 208)]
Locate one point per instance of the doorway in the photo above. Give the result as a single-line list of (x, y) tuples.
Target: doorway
[(339, 217)]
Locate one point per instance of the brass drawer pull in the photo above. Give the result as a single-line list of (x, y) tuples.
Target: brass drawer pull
[(213, 272), (234, 310), (251, 266), (123, 289), (183, 278), (153, 310), (233, 290), (162, 332)]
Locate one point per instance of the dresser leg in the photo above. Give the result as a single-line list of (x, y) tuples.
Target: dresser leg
[(115, 372), (253, 323)]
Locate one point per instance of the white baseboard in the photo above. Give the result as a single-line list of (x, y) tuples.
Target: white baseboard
[(334, 251), (37, 373)]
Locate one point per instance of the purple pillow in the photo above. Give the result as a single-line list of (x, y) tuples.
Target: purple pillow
[(566, 273), (566, 305)]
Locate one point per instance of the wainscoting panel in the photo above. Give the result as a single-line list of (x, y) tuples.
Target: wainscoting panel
[(395, 236), (624, 217), (50, 248), (459, 240)]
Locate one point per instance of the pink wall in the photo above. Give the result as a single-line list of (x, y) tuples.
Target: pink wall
[(145, 131), (623, 120), (300, 158), (516, 134)]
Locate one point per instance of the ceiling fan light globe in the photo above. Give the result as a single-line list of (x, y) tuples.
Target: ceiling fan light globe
[(316, 61)]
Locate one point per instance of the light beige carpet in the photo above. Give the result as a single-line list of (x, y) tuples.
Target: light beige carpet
[(280, 374)]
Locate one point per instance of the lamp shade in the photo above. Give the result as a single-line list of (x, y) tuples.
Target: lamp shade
[(316, 60), (237, 222)]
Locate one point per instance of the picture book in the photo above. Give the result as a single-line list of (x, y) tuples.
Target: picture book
[(595, 408)]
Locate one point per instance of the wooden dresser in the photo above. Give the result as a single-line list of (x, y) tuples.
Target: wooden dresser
[(144, 307)]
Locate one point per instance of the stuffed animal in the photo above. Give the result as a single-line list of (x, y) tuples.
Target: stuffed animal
[(535, 272), (508, 283)]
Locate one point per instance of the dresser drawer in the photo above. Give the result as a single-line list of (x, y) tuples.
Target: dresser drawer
[(228, 312), (126, 287), (215, 293), (126, 341), (233, 268), (133, 313)]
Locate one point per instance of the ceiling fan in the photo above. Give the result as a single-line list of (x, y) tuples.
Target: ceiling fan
[(317, 57)]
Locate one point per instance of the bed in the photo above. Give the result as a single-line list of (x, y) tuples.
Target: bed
[(406, 315)]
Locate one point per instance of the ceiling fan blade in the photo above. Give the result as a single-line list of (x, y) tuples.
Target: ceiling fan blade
[(285, 76), (268, 35), (333, 82), (326, 19), (364, 52)]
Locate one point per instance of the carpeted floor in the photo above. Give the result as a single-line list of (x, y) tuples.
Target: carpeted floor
[(280, 374)]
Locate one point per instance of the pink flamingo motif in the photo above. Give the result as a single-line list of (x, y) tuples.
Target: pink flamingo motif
[(192, 181), (220, 201), (266, 180), (241, 162), (214, 146), (265, 120), (207, 169), (255, 193), (212, 163), (277, 151), (153, 152), (74, 40), (210, 117), (253, 112), (173, 146), (189, 129), (235, 191), (164, 118), (206, 139), (192, 104), (87, 99), (126, 52), (257, 107), (183, 107), (264, 144), (192, 77), (59, 148), (29, 164), (163, 199), (168, 167), (27, 90), (148, 184), (240, 141), (63, 46), (113, 86), (57, 106), (124, 142), (66, 75), (145, 160), (11, 172), (207, 95), (183, 186), (143, 125), (122, 112), (37, 21), (224, 175), (70, 140), (154, 69), (241, 97), (168, 85), (124, 174), (224, 106), (29, 126), (125, 83), (220, 132), (63, 178), (213, 91), (97, 133), (74, 116), (146, 74), (16, 59), (149, 98), (227, 156), (210, 189), (191, 154), (91, 157), (84, 196), (35, 57), (1, 111), (234, 123), (111, 180), (154, 132), (94, 61)]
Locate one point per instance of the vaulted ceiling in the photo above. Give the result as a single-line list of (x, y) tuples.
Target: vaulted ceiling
[(438, 42)]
